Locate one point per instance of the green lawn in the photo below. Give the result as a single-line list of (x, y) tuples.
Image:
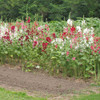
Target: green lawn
[(89, 97), (10, 95)]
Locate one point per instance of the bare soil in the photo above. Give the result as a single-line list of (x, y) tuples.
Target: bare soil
[(39, 82)]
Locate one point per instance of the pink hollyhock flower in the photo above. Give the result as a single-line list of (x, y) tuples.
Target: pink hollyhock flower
[(35, 43), (71, 46), (36, 23), (99, 52), (95, 45), (66, 30), (46, 25), (22, 27), (67, 53), (87, 38), (25, 27), (92, 47), (39, 28), (48, 29), (56, 46), (73, 58)]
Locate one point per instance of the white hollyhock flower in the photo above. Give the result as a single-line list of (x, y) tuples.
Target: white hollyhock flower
[(83, 22), (91, 40), (76, 47), (92, 30), (61, 47), (78, 28), (37, 67), (21, 31), (57, 41), (67, 37), (86, 30), (62, 53), (69, 22)]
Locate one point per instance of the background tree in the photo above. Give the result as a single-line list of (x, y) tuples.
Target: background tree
[(49, 9)]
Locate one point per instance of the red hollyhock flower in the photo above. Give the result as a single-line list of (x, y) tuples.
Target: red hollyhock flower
[(26, 37), (64, 34), (13, 28), (28, 32), (21, 38), (35, 43), (6, 33), (54, 35), (21, 43), (73, 29), (28, 21), (48, 39), (44, 45), (6, 37), (95, 51)]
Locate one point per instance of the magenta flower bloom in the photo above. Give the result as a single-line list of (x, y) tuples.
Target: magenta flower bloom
[(73, 58), (67, 53)]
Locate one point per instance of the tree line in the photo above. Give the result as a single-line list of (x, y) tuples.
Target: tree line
[(49, 9)]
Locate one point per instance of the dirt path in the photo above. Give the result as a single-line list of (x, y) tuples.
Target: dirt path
[(39, 81)]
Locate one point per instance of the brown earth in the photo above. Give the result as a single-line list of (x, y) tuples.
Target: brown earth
[(39, 82)]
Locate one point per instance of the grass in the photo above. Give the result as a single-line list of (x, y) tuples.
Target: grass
[(89, 97), (10, 95)]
